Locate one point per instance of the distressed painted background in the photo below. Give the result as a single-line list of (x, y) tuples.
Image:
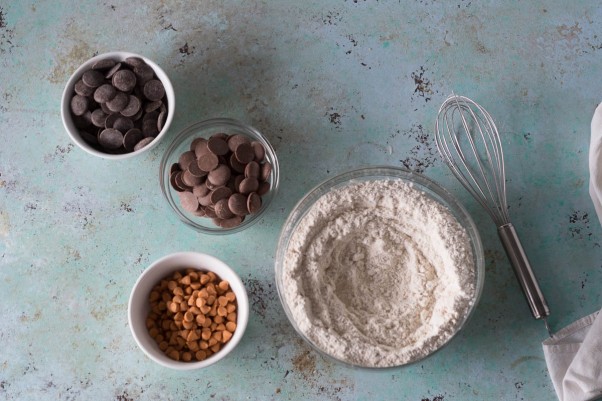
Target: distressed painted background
[(333, 84)]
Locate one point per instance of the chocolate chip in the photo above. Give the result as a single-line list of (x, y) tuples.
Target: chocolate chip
[(161, 120), (236, 140), (131, 139), (134, 61), (149, 127), (110, 138), (82, 89), (154, 90), (222, 210), (144, 73), (110, 120), (259, 151), (99, 117), (217, 146), (185, 159), (118, 103), (238, 204), (103, 64), (124, 80), (201, 148), (189, 201), (248, 185), (93, 78), (190, 179), (252, 169), (195, 170), (104, 93), (236, 165), (195, 142), (219, 193), (112, 71), (174, 183), (132, 107), (253, 202), (220, 175), (123, 124), (266, 171), (143, 143), (79, 105), (200, 191), (152, 106), (208, 162), (88, 137), (244, 153)]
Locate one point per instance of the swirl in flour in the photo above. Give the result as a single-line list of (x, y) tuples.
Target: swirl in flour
[(378, 274)]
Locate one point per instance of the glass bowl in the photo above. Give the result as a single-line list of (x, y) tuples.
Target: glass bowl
[(206, 129), (431, 190)]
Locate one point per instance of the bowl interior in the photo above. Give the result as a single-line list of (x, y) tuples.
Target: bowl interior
[(182, 143), (427, 186), (139, 308), (73, 131)]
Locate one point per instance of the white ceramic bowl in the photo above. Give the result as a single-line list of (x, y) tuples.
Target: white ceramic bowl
[(139, 307), (74, 132)]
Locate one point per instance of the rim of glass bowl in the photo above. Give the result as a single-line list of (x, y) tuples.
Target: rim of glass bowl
[(432, 189), (205, 129)]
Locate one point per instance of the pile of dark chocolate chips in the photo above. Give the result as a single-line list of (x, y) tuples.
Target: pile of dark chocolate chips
[(222, 178), (119, 107)]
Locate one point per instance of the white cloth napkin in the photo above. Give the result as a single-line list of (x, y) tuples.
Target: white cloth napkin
[(574, 354)]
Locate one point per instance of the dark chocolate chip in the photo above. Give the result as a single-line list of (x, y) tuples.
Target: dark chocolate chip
[(112, 71), (99, 117), (104, 93), (154, 90), (79, 105), (124, 80), (88, 137), (93, 78), (104, 64), (149, 127), (133, 61), (119, 102), (132, 107), (82, 89), (143, 73), (161, 120), (110, 120), (152, 106), (123, 124), (131, 139), (144, 142), (110, 138)]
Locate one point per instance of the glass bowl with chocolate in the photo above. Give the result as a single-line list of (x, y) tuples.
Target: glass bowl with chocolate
[(219, 176)]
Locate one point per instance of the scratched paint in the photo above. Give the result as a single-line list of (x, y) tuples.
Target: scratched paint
[(334, 85)]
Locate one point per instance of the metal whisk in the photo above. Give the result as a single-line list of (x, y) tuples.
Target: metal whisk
[(470, 145)]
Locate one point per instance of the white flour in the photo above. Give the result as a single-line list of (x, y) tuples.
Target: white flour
[(377, 274)]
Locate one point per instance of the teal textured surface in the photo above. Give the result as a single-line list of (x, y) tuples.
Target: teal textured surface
[(333, 85)]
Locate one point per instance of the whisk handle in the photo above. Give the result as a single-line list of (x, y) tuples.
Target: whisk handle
[(523, 271)]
